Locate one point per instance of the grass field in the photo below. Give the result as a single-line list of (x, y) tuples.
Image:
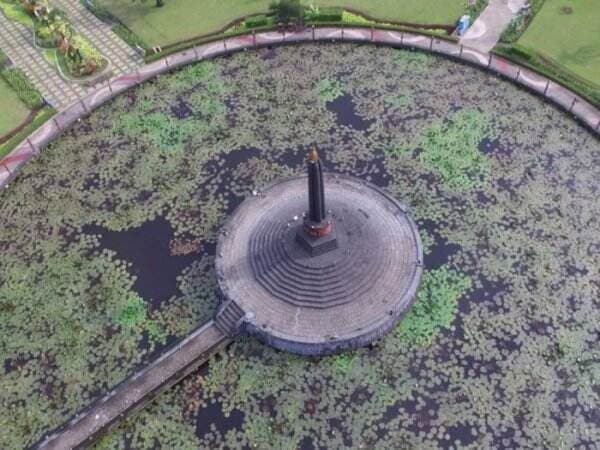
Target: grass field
[(13, 109), (568, 32), (182, 19)]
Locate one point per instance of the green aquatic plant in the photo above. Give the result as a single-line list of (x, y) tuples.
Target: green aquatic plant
[(427, 240), (330, 89), (134, 315), (435, 308), (451, 149), (400, 100), (343, 361), (411, 61)]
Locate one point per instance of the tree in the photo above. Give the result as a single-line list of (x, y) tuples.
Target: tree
[(287, 11)]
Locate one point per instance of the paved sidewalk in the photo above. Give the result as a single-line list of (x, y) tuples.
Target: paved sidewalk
[(17, 42), (124, 59), (485, 32)]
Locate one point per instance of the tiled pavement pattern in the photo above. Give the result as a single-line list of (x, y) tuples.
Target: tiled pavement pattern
[(124, 59), (17, 42)]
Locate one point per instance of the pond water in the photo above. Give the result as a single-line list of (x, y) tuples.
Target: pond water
[(108, 241)]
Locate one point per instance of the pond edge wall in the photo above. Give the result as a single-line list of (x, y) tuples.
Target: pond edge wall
[(82, 427), (557, 94)]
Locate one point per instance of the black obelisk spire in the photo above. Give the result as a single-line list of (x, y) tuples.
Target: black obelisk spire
[(316, 193), (316, 234)]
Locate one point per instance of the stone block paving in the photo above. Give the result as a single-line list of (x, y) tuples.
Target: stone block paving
[(17, 42), (124, 59)]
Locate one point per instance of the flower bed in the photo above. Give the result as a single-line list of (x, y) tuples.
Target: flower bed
[(74, 56)]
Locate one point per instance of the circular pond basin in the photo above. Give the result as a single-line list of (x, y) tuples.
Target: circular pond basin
[(108, 239)]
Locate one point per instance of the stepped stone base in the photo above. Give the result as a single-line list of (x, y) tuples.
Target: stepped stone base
[(316, 246), (329, 301)]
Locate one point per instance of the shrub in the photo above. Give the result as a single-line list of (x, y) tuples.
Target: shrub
[(129, 36), (4, 60), (23, 87), (256, 21), (332, 14), (80, 58), (100, 12), (521, 52), (520, 23), (475, 8)]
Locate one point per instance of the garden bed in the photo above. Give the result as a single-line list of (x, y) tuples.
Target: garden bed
[(73, 56)]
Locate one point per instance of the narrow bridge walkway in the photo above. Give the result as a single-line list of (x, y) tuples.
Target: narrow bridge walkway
[(133, 393)]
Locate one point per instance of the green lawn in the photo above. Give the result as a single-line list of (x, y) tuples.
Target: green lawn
[(13, 109), (568, 31), (182, 19)]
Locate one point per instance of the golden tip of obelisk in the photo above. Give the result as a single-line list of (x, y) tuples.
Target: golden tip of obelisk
[(313, 155)]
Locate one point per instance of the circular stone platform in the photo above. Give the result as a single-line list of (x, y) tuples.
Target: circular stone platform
[(332, 302)]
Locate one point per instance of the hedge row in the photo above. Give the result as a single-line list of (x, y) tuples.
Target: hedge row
[(520, 23), (332, 14), (118, 27), (23, 87), (546, 66), (42, 116), (4, 60), (259, 20), (166, 51)]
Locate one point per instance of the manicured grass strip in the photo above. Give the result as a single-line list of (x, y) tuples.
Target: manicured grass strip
[(42, 116), (550, 69), (13, 110), (409, 11), (569, 34), (181, 20)]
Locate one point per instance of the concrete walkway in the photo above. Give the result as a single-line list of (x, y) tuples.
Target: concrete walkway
[(137, 390), (17, 42), (485, 32)]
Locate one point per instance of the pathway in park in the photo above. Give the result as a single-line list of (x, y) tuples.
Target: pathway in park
[(17, 42), (485, 32), (124, 58)]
